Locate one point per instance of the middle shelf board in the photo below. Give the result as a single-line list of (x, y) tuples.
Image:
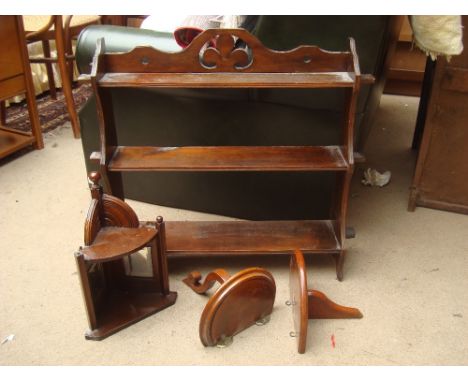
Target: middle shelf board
[(250, 237), (228, 158)]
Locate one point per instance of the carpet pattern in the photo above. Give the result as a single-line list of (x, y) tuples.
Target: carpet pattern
[(52, 113)]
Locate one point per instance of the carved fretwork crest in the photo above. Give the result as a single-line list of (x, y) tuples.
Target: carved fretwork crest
[(224, 53)]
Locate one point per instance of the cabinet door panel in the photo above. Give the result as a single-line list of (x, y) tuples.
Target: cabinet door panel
[(442, 167), (10, 55)]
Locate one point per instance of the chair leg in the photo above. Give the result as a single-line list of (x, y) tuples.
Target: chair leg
[(66, 84), (35, 124), (67, 37), (49, 69), (36, 129), (70, 65), (70, 59)]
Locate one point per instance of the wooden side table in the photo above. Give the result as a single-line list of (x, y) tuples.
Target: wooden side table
[(15, 78)]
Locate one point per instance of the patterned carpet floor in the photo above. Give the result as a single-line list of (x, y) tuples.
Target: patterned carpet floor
[(52, 113)]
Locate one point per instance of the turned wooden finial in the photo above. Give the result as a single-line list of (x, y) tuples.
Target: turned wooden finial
[(159, 219), (94, 177), (96, 190)]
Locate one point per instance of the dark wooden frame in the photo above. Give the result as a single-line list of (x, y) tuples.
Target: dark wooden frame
[(233, 58)]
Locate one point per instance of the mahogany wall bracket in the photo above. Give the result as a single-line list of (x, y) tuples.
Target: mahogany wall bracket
[(310, 304), (241, 301), (114, 298)]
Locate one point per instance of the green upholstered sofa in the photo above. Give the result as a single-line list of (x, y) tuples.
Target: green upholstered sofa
[(177, 117)]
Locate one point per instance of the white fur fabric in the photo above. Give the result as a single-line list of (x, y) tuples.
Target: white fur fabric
[(438, 35)]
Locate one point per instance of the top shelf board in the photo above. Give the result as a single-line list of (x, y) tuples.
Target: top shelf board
[(229, 80)]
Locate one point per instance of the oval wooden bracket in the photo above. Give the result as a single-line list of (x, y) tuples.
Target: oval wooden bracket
[(242, 300)]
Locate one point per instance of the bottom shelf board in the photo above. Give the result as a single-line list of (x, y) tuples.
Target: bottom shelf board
[(250, 237), (11, 141), (122, 310)]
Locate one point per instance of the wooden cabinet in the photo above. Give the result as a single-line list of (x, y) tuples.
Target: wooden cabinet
[(440, 179), (406, 71), (232, 58), (15, 78)]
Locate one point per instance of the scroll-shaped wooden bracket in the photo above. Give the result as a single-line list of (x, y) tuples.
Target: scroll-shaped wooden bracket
[(310, 304), (193, 280), (241, 301)]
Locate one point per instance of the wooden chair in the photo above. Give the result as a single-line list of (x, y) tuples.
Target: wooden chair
[(241, 301), (62, 31), (310, 304), (114, 298)]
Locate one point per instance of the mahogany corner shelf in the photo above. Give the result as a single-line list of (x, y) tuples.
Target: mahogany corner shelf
[(114, 298), (233, 58)]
